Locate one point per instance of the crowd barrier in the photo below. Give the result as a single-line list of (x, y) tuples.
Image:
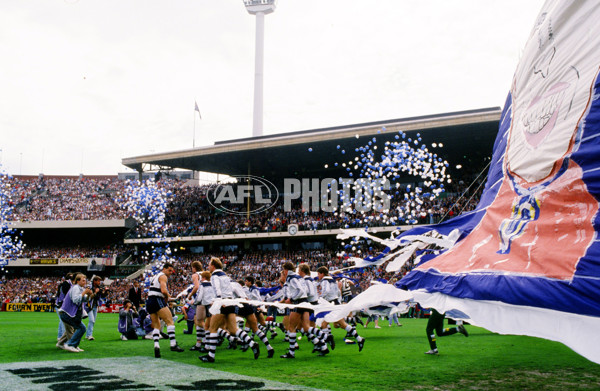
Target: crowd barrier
[(46, 307)]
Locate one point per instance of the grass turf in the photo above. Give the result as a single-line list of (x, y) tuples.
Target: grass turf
[(392, 359)]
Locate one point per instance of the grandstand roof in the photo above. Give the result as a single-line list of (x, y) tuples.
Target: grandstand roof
[(467, 136)]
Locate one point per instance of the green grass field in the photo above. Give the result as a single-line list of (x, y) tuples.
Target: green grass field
[(392, 359)]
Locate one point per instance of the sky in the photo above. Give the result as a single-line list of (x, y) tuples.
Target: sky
[(84, 84)]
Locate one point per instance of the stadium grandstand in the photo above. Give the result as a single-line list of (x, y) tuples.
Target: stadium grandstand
[(79, 223), (284, 155)]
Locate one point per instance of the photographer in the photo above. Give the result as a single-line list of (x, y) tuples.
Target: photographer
[(71, 312), (63, 289), (126, 324), (98, 291)]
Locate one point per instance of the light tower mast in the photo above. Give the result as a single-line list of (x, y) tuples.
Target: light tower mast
[(259, 8)]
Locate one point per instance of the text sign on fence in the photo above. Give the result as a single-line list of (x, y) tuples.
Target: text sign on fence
[(29, 307)]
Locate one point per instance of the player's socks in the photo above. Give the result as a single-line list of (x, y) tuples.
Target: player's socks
[(200, 332), (244, 337), (225, 335), (317, 333), (171, 333), (156, 338), (211, 344), (351, 331), (261, 335), (292, 337)]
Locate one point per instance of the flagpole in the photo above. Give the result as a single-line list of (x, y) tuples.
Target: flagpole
[(194, 137)]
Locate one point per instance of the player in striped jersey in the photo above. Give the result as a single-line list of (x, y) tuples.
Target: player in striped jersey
[(331, 292), (158, 297), (318, 338), (227, 316), (295, 293)]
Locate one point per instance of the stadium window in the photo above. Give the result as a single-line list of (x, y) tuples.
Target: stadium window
[(312, 245), (270, 246)]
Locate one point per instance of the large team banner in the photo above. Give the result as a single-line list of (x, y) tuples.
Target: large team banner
[(527, 260)]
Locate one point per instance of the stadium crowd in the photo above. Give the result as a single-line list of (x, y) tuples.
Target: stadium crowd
[(28, 290), (73, 251), (190, 214), (66, 198)]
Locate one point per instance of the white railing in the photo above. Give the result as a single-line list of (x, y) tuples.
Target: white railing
[(248, 3)]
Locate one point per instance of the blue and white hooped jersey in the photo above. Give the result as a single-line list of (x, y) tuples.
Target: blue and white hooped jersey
[(155, 286), (311, 288)]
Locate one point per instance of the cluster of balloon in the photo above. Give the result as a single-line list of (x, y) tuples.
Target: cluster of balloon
[(388, 183), (11, 245), (147, 203)]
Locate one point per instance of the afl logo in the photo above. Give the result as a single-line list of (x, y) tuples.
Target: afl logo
[(249, 194)]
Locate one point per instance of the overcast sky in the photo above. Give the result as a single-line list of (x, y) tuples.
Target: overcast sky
[(86, 83)]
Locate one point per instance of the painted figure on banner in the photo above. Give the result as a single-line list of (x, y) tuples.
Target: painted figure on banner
[(543, 200)]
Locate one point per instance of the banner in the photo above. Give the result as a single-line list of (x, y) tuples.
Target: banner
[(107, 309), (112, 261), (73, 261), (28, 307), (44, 261), (527, 260), (63, 262)]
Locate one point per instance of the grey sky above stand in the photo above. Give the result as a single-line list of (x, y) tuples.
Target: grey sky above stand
[(86, 83)]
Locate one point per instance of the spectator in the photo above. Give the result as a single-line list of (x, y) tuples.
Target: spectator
[(135, 294)]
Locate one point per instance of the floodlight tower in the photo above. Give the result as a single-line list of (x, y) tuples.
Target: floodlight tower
[(259, 8)]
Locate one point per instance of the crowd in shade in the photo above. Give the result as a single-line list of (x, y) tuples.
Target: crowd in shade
[(190, 214), (73, 251)]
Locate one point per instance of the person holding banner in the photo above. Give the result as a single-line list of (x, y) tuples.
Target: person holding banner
[(331, 292), (318, 338), (295, 293), (436, 323), (248, 312), (226, 318), (204, 298), (345, 286)]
